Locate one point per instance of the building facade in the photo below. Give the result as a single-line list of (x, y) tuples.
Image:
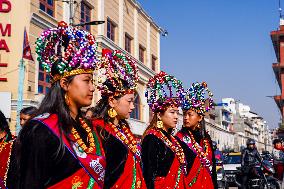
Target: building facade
[(127, 28), (231, 123)]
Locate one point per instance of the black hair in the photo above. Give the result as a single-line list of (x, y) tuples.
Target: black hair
[(101, 109), (31, 110), (4, 126), (91, 109), (277, 140), (54, 103)]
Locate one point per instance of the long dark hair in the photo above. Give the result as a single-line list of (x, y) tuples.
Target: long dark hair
[(53, 103), (4, 126), (153, 122), (101, 109)]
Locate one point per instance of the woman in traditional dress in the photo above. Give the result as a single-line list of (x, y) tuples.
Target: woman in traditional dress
[(197, 140), (164, 162), (6, 146), (59, 148), (117, 82)]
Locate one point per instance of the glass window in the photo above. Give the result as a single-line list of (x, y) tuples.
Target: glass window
[(135, 114), (47, 6), (42, 7), (127, 43), (154, 63), (40, 89), (85, 15), (41, 76), (141, 53), (110, 30)]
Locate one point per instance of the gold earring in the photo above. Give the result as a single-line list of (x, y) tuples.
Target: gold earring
[(160, 124), (67, 101), (112, 113)]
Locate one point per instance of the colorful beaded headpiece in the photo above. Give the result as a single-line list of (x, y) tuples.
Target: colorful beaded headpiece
[(162, 91), (120, 70), (196, 99), (67, 50)]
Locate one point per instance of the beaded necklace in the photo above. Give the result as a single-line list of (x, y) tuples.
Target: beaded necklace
[(175, 146), (90, 137), (126, 136), (202, 153), (198, 148)]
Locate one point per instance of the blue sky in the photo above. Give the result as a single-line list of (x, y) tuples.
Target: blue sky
[(225, 43)]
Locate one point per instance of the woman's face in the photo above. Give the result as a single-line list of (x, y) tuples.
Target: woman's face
[(169, 117), (24, 118), (191, 119), (123, 106), (278, 145), (80, 90)]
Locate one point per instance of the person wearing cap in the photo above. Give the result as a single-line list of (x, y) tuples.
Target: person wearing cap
[(58, 148), (117, 80), (249, 158), (195, 104), (164, 162), (278, 159)]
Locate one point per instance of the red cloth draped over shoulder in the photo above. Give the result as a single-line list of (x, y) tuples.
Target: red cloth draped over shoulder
[(132, 176)]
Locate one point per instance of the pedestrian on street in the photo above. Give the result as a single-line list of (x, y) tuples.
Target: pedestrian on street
[(164, 163), (59, 148), (118, 79), (198, 142), (278, 159)]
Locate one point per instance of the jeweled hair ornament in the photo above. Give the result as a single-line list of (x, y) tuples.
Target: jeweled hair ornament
[(162, 91), (120, 70), (66, 51), (198, 98)]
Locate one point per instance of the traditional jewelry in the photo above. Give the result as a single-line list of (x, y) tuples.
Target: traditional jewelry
[(112, 113), (175, 146), (90, 137), (126, 136)]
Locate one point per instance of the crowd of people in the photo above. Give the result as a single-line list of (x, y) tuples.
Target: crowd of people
[(61, 146)]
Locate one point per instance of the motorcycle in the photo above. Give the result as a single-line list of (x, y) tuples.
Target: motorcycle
[(221, 178), (262, 179)]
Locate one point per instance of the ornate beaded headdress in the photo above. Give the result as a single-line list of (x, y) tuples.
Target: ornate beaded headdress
[(162, 91), (117, 71), (195, 98), (66, 51)]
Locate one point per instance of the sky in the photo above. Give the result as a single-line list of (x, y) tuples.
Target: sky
[(225, 43)]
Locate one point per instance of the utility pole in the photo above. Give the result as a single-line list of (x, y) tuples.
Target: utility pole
[(71, 9)]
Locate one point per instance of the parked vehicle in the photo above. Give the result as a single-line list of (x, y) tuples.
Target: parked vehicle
[(221, 176), (231, 161)]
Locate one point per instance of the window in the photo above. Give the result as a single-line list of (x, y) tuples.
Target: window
[(110, 29), (135, 114), (154, 63), (47, 6), (85, 15), (128, 43), (43, 81), (141, 53)]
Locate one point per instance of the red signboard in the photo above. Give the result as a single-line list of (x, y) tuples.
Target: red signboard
[(5, 30)]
